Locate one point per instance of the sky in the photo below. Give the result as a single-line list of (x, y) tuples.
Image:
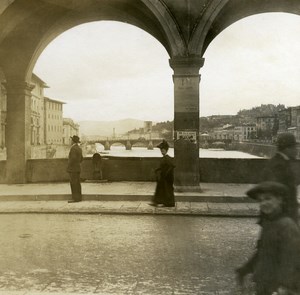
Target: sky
[(107, 71)]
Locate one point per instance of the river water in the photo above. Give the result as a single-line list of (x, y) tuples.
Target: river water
[(120, 151)]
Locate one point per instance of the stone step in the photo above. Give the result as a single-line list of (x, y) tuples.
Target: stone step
[(125, 197), (130, 208)]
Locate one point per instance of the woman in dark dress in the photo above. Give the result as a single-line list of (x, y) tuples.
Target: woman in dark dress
[(164, 192)]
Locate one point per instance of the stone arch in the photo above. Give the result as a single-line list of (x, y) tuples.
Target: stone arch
[(222, 14), (140, 143), (170, 26), (117, 143), (49, 18)]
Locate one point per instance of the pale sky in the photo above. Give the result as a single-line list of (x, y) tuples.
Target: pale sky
[(110, 70)]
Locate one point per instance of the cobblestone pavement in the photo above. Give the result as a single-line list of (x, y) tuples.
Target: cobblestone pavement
[(118, 254)]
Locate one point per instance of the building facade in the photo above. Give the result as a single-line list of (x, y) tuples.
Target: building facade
[(69, 129), (289, 121), (267, 126), (46, 122), (2, 114), (238, 133), (37, 111), (53, 121), (284, 120)]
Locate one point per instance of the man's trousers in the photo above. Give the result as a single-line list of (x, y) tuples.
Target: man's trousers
[(75, 186)]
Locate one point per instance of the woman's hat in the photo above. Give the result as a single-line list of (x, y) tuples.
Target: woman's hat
[(163, 145), (75, 139), (273, 187)]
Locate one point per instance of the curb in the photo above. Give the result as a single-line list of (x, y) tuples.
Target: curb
[(206, 214), (114, 197), (208, 209)]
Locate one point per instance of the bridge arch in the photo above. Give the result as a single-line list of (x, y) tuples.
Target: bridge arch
[(221, 14), (50, 18), (45, 20)]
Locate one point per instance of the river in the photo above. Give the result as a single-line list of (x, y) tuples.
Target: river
[(120, 151)]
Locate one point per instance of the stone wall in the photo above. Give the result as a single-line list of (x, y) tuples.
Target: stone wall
[(257, 149), (113, 169), (142, 169), (231, 170), (49, 152)]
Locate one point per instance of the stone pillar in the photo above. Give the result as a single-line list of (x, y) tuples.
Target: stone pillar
[(1, 119), (128, 145), (18, 130), (107, 146), (186, 80)]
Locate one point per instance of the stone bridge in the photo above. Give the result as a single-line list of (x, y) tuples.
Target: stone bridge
[(185, 29), (128, 143)]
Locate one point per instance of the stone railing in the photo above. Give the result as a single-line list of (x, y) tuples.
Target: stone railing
[(142, 169)]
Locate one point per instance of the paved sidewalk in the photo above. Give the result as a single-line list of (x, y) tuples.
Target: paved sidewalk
[(130, 207), (215, 199), (120, 191)]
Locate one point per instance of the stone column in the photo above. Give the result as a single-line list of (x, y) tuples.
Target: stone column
[(128, 145), (107, 146), (1, 118), (18, 130), (186, 122)]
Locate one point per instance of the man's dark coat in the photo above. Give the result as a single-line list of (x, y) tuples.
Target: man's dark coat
[(276, 263), (280, 170), (75, 158)]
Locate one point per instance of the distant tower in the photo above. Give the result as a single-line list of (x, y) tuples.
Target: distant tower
[(147, 127), (114, 132)]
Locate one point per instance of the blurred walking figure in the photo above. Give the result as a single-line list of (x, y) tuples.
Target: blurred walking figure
[(279, 169), (164, 192), (276, 263), (74, 169)]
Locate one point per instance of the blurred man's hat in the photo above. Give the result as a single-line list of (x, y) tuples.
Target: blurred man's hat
[(163, 145), (285, 140), (75, 139), (273, 187)]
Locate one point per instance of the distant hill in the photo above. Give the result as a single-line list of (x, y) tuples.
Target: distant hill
[(105, 128), (262, 110)]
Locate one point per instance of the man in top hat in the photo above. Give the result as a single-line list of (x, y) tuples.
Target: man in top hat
[(74, 169), (275, 264), (279, 169)]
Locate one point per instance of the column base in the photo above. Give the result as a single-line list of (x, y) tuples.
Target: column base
[(187, 188)]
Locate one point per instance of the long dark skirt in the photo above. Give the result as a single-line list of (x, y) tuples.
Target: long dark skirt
[(164, 193)]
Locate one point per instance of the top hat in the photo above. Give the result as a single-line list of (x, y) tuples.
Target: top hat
[(276, 188), (163, 145), (285, 140), (75, 139)]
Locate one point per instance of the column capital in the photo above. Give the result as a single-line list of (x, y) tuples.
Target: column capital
[(187, 66), (18, 86)]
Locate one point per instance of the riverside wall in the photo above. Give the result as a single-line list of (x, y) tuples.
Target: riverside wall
[(213, 170), (142, 169), (264, 150)]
